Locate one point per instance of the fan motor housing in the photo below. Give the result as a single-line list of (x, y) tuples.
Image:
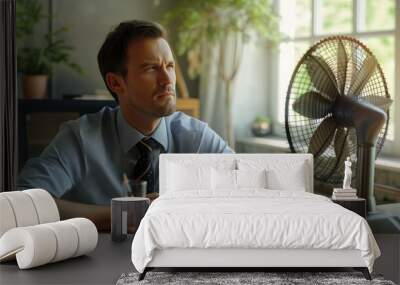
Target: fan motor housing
[(366, 118)]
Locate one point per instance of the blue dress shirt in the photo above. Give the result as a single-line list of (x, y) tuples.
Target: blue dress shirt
[(88, 157)]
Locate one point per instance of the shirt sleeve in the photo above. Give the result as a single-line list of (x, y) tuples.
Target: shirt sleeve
[(60, 166), (211, 142)]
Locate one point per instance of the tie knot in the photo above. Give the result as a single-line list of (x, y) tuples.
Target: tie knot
[(147, 144)]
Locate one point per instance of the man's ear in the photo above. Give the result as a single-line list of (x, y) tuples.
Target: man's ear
[(115, 82)]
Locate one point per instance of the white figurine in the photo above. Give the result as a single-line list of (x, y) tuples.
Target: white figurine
[(347, 174)]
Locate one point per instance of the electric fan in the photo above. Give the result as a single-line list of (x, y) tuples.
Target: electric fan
[(337, 106)]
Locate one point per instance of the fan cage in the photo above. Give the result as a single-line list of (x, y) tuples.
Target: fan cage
[(299, 129)]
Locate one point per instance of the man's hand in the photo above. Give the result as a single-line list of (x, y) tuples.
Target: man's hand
[(152, 196), (99, 215)]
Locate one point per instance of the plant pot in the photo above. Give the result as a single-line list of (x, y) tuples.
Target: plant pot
[(35, 86), (261, 129)]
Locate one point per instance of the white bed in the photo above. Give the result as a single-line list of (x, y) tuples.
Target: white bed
[(202, 220)]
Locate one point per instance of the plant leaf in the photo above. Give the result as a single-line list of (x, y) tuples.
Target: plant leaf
[(361, 78), (379, 101), (322, 76), (322, 137), (341, 67), (341, 146), (312, 105)]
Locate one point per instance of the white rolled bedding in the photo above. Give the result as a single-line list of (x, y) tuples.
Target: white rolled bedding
[(32, 233), (45, 243), (250, 218)]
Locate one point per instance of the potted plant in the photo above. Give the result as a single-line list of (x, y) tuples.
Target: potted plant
[(206, 24), (36, 63), (261, 126)]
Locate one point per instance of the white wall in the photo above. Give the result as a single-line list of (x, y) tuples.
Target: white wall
[(250, 96)]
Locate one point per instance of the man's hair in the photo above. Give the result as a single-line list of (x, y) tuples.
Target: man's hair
[(113, 53)]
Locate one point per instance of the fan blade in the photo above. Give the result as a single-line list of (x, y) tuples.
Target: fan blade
[(352, 135), (322, 137), (322, 76), (379, 101), (312, 105), (360, 79), (352, 63), (341, 146), (341, 67)]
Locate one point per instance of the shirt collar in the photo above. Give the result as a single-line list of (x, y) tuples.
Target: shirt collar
[(129, 136)]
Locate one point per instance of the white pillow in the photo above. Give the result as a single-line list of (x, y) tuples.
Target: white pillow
[(251, 178), (199, 161), (183, 178), (189, 174), (282, 174), (223, 179), (293, 179)]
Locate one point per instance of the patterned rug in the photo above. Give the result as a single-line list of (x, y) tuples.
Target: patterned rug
[(242, 278)]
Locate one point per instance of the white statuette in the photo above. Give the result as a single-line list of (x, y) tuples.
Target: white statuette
[(347, 174)]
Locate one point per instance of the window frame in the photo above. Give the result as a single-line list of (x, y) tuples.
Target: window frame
[(391, 147)]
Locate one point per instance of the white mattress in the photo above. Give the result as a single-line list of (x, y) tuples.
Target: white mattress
[(250, 219)]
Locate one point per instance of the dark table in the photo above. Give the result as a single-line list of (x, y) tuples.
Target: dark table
[(102, 266)]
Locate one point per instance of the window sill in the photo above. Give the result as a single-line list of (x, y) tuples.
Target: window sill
[(270, 142), (388, 163), (281, 145)]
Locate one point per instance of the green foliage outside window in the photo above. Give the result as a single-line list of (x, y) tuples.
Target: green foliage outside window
[(207, 22)]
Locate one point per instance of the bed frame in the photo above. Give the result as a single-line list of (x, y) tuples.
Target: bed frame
[(249, 259)]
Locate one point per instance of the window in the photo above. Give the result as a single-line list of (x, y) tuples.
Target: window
[(305, 22)]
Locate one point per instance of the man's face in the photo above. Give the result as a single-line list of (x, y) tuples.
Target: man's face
[(149, 85)]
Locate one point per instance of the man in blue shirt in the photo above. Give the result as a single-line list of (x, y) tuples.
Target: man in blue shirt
[(84, 165)]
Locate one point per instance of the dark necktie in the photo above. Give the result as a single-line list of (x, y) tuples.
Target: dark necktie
[(143, 170)]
